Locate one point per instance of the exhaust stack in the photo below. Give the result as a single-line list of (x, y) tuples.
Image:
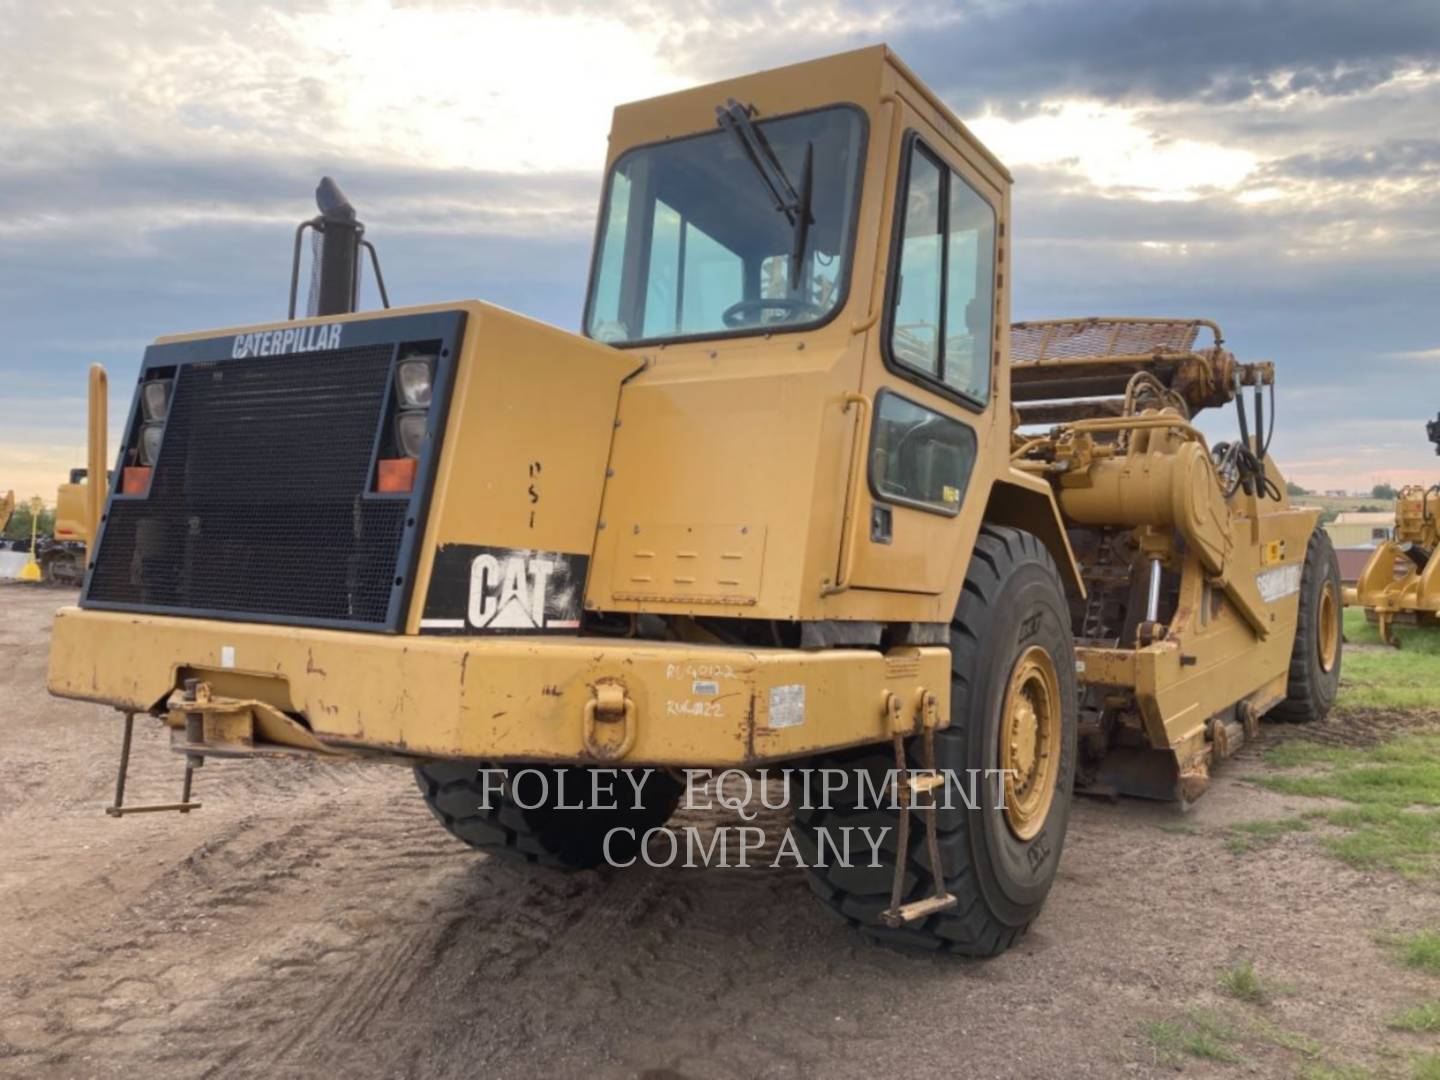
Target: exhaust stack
[(335, 267)]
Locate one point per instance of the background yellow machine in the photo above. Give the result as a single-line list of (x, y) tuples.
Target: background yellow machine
[(1401, 581), (62, 555), (798, 494), (59, 556)]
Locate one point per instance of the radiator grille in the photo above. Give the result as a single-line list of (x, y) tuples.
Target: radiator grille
[(256, 505)]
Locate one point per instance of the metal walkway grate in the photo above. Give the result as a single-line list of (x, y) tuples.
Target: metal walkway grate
[(1100, 337)]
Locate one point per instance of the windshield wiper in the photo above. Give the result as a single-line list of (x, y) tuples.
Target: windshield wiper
[(792, 202)]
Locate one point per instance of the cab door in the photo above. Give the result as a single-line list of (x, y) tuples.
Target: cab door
[(929, 374)]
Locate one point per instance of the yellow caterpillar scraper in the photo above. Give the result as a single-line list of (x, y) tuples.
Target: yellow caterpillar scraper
[(1401, 582), (770, 507)]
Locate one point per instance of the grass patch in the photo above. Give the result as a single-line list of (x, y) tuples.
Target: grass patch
[(1320, 1070), (1392, 680), (1383, 836), (1241, 983), (1394, 788), (1420, 950), (1300, 754), (1403, 772), (1198, 1034), (1291, 1040), (1253, 835), (1428, 1067), (1359, 631), (1421, 1019), (1212, 1035), (1404, 678), (1181, 828)]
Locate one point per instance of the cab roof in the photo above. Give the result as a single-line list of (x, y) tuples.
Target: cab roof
[(865, 77)]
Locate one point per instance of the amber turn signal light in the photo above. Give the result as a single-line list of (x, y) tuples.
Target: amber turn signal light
[(396, 475), (135, 480)]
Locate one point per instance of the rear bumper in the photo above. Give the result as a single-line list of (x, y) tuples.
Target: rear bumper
[(509, 698)]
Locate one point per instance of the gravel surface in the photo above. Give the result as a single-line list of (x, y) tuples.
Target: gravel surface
[(312, 919)]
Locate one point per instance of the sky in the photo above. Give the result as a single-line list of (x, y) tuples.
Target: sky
[(1274, 166)]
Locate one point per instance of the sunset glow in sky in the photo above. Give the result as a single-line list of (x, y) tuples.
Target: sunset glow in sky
[(1273, 166)]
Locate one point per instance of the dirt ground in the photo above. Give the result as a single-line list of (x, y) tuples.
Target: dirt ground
[(314, 920)]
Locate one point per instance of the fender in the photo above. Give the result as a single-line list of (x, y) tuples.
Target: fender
[(1026, 502)]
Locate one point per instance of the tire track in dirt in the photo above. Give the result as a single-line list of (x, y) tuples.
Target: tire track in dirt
[(244, 896), (1344, 728), (313, 919), (656, 943)]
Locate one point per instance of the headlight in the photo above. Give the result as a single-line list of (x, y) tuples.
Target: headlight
[(150, 436), (155, 398), (410, 431), (412, 381)]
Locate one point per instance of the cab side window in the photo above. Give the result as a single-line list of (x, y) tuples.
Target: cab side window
[(943, 305), (969, 291), (915, 332), (919, 456)]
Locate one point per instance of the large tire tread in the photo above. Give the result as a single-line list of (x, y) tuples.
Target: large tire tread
[(564, 840), (1310, 691), (860, 893)]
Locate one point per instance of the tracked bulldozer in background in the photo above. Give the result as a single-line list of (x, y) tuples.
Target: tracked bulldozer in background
[(1400, 584), (798, 495)]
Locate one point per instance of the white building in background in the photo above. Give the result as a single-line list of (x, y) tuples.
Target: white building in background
[(1361, 528)]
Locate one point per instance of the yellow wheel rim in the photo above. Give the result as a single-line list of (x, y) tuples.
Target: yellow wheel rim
[(1329, 627), (1030, 742)]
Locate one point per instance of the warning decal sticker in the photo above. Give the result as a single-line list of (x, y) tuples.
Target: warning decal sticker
[(1278, 583)]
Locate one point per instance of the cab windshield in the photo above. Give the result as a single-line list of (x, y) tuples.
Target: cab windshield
[(694, 244)]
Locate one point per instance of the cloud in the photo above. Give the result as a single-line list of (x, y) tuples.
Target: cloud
[(140, 193), (1128, 51), (1107, 148), (1427, 356), (363, 79), (1404, 159), (1015, 55), (1273, 166)]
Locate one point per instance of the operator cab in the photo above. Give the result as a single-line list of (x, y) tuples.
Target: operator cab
[(744, 229), (810, 263)]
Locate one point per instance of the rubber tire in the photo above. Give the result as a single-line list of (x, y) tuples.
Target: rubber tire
[(62, 567), (1000, 882), (568, 839), (1311, 690)]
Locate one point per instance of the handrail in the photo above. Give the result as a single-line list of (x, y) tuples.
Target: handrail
[(97, 487), (852, 495)]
